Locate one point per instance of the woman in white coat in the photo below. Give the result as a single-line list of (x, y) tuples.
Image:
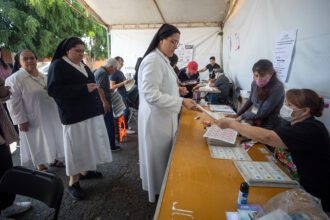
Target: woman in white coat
[(35, 113), (160, 104)]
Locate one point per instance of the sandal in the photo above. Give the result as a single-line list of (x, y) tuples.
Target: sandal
[(57, 163)]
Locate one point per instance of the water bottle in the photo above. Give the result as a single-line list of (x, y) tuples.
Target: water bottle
[(243, 193)]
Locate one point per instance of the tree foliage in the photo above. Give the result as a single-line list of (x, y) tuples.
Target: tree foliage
[(40, 25)]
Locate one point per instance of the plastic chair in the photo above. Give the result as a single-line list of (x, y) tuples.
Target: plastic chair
[(45, 187)]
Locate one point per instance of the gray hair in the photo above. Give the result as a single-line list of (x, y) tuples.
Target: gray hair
[(111, 62)]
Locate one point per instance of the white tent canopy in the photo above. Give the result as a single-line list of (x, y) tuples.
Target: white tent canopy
[(126, 13), (253, 24)]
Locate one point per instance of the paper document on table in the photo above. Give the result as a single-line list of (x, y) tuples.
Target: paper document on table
[(222, 136), (264, 174), (229, 153), (222, 108), (214, 115)]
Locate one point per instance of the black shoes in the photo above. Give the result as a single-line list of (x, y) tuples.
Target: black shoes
[(76, 192), (116, 148), (91, 175)]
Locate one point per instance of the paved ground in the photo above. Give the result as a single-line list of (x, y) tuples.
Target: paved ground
[(118, 195)]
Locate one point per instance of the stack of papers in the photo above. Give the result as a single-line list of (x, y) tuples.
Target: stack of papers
[(226, 109), (264, 174), (229, 153), (221, 137)]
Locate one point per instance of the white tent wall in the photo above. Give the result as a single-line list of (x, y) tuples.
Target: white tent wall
[(132, 43), (258, 23)]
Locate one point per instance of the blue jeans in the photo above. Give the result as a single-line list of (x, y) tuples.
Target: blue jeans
[(110, 125)]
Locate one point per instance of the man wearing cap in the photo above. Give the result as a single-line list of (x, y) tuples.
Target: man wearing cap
[(189, 77)]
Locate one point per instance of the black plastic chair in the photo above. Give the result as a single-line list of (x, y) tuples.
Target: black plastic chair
[(45, 187)]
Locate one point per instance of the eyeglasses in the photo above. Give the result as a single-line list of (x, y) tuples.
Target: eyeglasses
[(32, 58), (174, 42)]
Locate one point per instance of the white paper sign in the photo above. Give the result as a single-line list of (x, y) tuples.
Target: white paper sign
[(283, 53), (185, 54)]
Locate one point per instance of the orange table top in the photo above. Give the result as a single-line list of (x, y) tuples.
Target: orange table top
[(198, 186)]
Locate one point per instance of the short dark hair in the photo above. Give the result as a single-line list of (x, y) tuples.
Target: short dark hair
[(212, 58), (118, 58), (263, 67)]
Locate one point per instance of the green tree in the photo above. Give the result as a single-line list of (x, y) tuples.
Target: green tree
[(41, 24)]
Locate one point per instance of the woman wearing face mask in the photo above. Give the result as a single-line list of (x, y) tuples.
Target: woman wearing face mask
[(266, 99), (305, 138)]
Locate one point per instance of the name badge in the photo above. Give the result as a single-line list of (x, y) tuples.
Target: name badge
[(254, 110)]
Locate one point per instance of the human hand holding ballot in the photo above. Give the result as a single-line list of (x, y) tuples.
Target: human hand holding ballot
[(190, 104)]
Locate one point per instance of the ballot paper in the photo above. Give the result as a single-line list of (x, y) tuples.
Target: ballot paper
[(264, 174), (214, 115), (221, 137), (229, 153), (222, 108)]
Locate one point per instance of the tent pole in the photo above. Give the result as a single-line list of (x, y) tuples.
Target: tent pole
[(108, 42)]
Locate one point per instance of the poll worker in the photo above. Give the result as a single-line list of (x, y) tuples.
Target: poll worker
[(304, 137), (266, 98), (160, 104), (211, 67)]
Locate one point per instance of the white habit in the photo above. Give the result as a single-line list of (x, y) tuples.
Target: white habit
[(29, 102), (160, 104), (86, 144)]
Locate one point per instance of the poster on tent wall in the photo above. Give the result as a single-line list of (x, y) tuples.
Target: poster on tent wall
[(283, 53), (185, 54)]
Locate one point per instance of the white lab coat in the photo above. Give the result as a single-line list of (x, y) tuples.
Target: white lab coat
[(29, 102), (160, 104)]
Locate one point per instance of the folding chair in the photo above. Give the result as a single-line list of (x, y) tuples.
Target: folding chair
[(45, 187)]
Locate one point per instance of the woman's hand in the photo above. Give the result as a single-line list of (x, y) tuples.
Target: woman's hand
[(231, 116), (224, 123), (183, 91), (190, 104), (195, 88), (24, 127), (91, 87)]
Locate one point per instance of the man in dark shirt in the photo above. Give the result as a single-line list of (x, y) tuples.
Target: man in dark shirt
[(223, 84), (189, 77), (213, 67), (102, 79), (118, 81)]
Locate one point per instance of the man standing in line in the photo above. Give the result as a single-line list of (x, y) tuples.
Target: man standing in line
[(118, 81), (102, 79)]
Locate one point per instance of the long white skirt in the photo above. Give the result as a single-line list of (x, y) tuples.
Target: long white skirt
[(86, 144)]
